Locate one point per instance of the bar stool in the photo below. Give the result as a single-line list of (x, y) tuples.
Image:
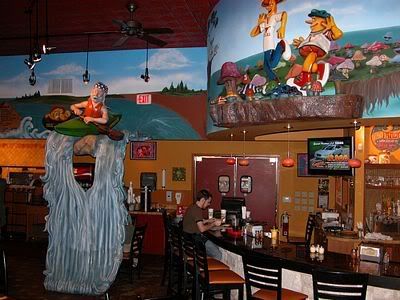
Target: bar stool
[(265, 273), (339, 285), (306, 241), (215, 282), (175, 256), (190, 266)]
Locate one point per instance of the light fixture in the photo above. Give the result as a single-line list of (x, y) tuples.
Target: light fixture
[(45, 47), (32, 78), (36, 56), (230, 160), (288, 162), (355, 162), (29, 61), (86, 75), (244, 162), (146, 76)]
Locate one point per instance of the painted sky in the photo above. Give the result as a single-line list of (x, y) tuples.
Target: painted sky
[(120, 70), (238, 17)]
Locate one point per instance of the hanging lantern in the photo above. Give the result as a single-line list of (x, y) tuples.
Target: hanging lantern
[(244, 162), (288, 162), (355, 162), (231, 160)]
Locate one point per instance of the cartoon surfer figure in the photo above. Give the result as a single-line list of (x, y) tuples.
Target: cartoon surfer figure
[(267, 24), (93, 110), (314, 48)]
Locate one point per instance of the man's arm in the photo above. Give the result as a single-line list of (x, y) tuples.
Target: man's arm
[(205, 225), (76, 108)]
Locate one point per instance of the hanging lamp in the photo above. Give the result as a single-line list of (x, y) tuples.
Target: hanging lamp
[(288, 162), (230, 160), (86, 75), (244, 162), (355, 162), (36, 55)]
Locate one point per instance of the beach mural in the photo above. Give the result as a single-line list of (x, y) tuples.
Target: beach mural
[(32, 104), (261, 51)]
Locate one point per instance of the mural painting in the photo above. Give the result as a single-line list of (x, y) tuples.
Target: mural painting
[(271, 50), (177, 83)]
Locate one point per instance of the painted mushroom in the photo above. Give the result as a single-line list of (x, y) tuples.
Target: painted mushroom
[(334, 47), (374, 62), (395, 59), (316, 88), (384, 59), (345, 67), (364, 47), (358, 57), (335, 60), (230, 76)]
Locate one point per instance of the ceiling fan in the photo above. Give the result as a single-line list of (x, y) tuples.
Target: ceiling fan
[(133, 28)]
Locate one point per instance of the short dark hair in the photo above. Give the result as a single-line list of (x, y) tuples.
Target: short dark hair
[(203, 194)]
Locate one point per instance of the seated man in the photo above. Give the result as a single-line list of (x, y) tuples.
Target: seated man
[(194, 223)]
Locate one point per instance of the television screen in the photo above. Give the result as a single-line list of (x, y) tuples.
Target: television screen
[(233, 204), (330, 156)]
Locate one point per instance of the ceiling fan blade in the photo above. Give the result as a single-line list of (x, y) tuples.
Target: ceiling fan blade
[(157, 30), (120, 23), (152, 40), (121, 41)]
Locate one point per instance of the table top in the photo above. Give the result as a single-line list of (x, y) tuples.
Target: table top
[(296, 258)]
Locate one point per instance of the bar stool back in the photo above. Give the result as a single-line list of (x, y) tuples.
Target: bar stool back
[(176, 256), (265, 273), (213, 282), (339, 285), (308, 234)]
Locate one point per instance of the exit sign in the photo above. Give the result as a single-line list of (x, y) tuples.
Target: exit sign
[(143, 99)]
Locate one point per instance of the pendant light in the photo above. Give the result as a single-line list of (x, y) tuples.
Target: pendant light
[(355, 162), (230, 160), (29, 61), (45, 47), (37, 57), (86, 75), (244, 162), (288, 162), (146, 76)]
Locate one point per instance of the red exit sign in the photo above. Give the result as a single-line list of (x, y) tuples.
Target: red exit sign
[(143, 99)]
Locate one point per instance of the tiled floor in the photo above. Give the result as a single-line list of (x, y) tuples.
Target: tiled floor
[(26, 262)]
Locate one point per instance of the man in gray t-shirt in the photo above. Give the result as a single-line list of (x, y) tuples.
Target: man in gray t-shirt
[(194, 223)]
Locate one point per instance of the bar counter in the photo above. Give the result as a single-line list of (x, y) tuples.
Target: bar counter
[(384, 280)]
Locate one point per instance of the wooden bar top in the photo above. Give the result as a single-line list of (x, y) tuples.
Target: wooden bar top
[(297, 259)]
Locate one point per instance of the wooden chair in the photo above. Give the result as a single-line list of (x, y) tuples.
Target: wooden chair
[(265, 273), (3, 274), (134, 260), (215, 282), (339, 285), (176, 257), (306, 241)]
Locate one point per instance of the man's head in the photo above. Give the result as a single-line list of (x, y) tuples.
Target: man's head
[(270, 5), (203, 199), (318, 20), (99, 92)]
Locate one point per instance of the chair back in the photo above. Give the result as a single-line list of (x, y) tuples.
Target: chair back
[(137, 241), (339, 285), (188, 246), (200, 259), (175, 238), (309, 229), (263, 273)]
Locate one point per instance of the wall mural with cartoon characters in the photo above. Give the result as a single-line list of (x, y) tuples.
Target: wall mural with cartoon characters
[(260, 51), (35, 102)]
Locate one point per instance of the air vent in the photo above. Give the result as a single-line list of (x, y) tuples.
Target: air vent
[(60, 86)]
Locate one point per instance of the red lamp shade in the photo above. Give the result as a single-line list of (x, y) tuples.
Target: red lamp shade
[(354, 163), (230, 161), (243, 162), (288, 162)]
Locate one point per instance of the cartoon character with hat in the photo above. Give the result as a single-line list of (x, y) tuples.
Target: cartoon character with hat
[(267, 24), (315, 47)]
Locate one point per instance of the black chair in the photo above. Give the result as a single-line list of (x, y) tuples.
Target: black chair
[(166, 222), (3, 275), (215, 282), (265, 273), (134, 261), (175, 258), (339, 285), (308, 234)]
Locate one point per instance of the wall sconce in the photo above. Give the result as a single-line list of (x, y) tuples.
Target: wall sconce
[(86, 75), (288, 162), (163, 178)]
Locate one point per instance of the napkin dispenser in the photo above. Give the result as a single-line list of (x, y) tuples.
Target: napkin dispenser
[(252, 229), (371, 253)]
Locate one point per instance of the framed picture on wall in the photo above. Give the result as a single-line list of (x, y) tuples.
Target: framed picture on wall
[(143, 150), (223, 184)]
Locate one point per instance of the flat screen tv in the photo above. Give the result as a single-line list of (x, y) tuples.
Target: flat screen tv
[(330, 156), (233, 204)]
